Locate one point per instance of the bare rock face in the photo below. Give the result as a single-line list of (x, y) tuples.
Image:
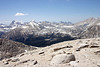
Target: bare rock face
[(62, 59)]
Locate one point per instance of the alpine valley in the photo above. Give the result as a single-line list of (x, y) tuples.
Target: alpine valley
[(45, 33), (41, 44)]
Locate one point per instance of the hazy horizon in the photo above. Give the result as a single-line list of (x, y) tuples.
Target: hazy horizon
[(48, 10)]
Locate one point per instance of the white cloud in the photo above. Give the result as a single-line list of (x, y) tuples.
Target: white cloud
[(20, 14)]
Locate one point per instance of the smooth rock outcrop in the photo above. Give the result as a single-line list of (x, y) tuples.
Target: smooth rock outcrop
[(62, 59)]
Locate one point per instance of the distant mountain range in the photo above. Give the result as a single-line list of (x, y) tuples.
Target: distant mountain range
[(46, 33)]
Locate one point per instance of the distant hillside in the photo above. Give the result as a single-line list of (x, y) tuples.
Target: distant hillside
[(10, 48), (93, 31)]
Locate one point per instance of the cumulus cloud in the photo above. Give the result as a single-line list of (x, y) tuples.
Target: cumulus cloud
[(20, 14)]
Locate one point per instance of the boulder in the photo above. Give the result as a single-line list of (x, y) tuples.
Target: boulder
[(34, 62), (62, 59), (58, 52), (41, 52), (74, 63), (15, 59), (62, 47), (5, 63), (82, 46)]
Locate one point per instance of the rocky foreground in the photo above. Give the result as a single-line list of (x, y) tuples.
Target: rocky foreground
[(76, 53)]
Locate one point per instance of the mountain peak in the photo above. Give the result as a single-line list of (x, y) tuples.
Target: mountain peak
[(16, 22), (33, 20)]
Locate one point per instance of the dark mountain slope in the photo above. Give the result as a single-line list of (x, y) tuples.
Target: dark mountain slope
[(10, 48), (37, 40)]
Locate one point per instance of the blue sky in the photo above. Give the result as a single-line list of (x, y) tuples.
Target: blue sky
[(49, 10)]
